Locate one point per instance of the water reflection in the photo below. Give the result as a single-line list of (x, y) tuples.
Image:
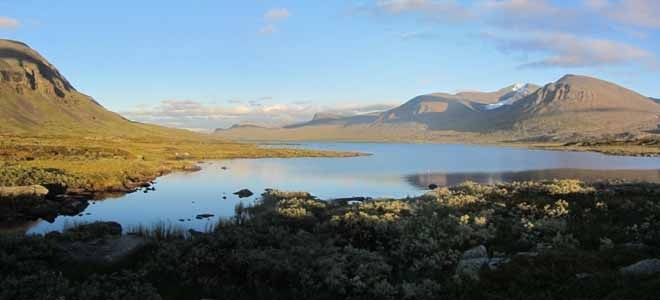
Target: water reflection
[(386, 173), (449, 179)]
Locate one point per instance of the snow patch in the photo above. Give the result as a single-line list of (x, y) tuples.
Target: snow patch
[(520, 89)]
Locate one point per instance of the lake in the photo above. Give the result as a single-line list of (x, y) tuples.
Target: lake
[(393, 170)]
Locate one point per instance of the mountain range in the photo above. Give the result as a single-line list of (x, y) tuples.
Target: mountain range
[(572, 106), (35, 99)]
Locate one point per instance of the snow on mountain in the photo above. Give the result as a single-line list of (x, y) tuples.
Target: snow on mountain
[(518, 91)]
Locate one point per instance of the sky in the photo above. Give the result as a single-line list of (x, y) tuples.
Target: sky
[(203, 64)]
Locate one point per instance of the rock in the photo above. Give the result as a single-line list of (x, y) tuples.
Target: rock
[(224, 197), (645, 267), (495, 262), (244, 193), (204, 216), (527, 254), (95, 230), (55, 190), (470, 268), (105, 251), (635, 246), (35, 191), (192, 168), (433, 186), (476, 252), (353, 199), (224, 168), (472, 261)]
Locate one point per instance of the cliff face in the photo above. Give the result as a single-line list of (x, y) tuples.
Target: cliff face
[(24, 70)]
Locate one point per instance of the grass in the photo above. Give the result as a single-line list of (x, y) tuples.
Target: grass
[(99, 163)]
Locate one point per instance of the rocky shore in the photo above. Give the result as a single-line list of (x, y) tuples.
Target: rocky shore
[(47, 201)]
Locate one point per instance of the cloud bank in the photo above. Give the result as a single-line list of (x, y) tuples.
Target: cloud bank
[(192, 114), (575, 34)]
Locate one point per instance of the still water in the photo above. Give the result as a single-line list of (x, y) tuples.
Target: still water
[(393, 170)]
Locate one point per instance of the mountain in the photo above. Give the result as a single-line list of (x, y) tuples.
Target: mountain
[(579, 104), (462, 111), (320, 119), (36, 99), (572, 106), (656, 100), (241, 126)]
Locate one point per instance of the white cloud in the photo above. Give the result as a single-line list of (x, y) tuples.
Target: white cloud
[(437, 10), (271, 17), (9, 23), (640, 13), (277, 14), (569, 34), (568, 50), (194, 114), (267, 29)]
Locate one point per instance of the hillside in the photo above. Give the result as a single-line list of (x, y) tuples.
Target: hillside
[(35, 99), (656, 100), (572, 107), (580, 104)]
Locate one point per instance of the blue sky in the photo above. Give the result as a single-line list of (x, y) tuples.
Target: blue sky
[(205, 64)]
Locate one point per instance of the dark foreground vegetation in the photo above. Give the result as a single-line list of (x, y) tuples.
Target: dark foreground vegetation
[(550, 240)]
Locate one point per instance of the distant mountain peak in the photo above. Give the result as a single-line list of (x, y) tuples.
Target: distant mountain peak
[(518, 91), (326, 116)]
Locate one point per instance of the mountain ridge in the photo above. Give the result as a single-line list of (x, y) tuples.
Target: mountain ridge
[(572, 105)]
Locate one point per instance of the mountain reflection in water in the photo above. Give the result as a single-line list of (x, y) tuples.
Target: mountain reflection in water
[(448, 179)]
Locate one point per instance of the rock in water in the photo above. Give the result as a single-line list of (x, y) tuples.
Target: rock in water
[(433, 186), (244, 193), (204, 216), (645, 267)]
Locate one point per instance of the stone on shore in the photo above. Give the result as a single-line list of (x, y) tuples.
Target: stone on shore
[(645, 267), (35, 191)]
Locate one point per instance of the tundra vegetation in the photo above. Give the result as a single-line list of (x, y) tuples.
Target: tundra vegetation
[(535, 240), (107, 163)]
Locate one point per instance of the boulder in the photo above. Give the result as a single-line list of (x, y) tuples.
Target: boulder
[(94, 230), (476, 252), (244, 193), (495, 262), (433, 186), (472, 262), (108, 250), (470, 268), (645, 267), (35, 191)]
